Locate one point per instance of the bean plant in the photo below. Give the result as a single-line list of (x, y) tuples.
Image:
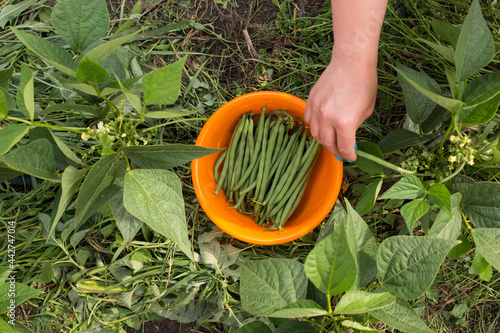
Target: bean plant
[(119, 158), (348, 280)]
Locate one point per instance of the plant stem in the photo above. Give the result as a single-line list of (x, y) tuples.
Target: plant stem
[(383, 163), (454, 173), (465, 220), (172, 122), (32, 123)]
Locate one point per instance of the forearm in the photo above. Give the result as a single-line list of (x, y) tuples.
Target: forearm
[(356, 29)]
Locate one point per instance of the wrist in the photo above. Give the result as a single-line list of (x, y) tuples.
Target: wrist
[(364, 60)]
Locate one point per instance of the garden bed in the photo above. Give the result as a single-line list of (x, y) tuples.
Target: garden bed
[(102, 127)]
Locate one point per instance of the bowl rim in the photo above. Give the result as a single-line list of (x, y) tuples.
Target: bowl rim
[(283, 238)]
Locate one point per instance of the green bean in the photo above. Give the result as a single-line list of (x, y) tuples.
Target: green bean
[(290, 171), (290, 207), (282, 162), (217, 165), (308, 158), (262, 158), (241, 151), (300, 176), (226, 168), (258, 143)]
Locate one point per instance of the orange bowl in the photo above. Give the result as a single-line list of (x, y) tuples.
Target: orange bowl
[(320, 194)]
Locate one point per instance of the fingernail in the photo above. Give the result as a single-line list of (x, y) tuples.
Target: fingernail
[(355, 145), (338, 159), (350, 161)]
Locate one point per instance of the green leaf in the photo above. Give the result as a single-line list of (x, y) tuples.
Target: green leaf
[(449, 32), (418, 106), (11, 12), (480, 204), (413, 211), (331, 265), (429, 90), (402, 317), (35, 158), (94, 110), (448, 226), (475, 48), (5, 327), (254, 327), (482, 98), (155, 197), (71, 179), (438, 116), (447, 52), (410, 187), (10, 135), (47, 273), (364, 247), (50, 52), (488, 243), (23, 293), (402, 138), (162, 85), (368, 198), (269, 285), (481, 267), (83, 87), (357, 326), (134, 100), (482, 89), (168, 114), (299, 309), (7, 174), (3, 105), (5, 76), (96, 188), (10, 102), (439, 195), (459, 183), (367, 165), (295, 326), (61, 151), (116, 86), (407, 265), (101, 52), (165, 156), (65, 149), (127, 223), (460, 249), (80, 22), (358, 301), (25, 93), (91, 71)]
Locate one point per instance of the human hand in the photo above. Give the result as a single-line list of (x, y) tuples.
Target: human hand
[(339, 102)]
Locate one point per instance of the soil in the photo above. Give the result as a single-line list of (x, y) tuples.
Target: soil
[(247, 28)]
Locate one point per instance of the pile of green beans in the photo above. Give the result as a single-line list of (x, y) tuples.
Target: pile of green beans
[(265, 169)]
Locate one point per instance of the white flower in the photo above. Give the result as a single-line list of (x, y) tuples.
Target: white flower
[(454, 138), (452, 159), (123, 135), (145, 142), (100, 125), (85, 137)]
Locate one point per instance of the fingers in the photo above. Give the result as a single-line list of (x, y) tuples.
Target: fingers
[(346, 143), (339, 138)]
